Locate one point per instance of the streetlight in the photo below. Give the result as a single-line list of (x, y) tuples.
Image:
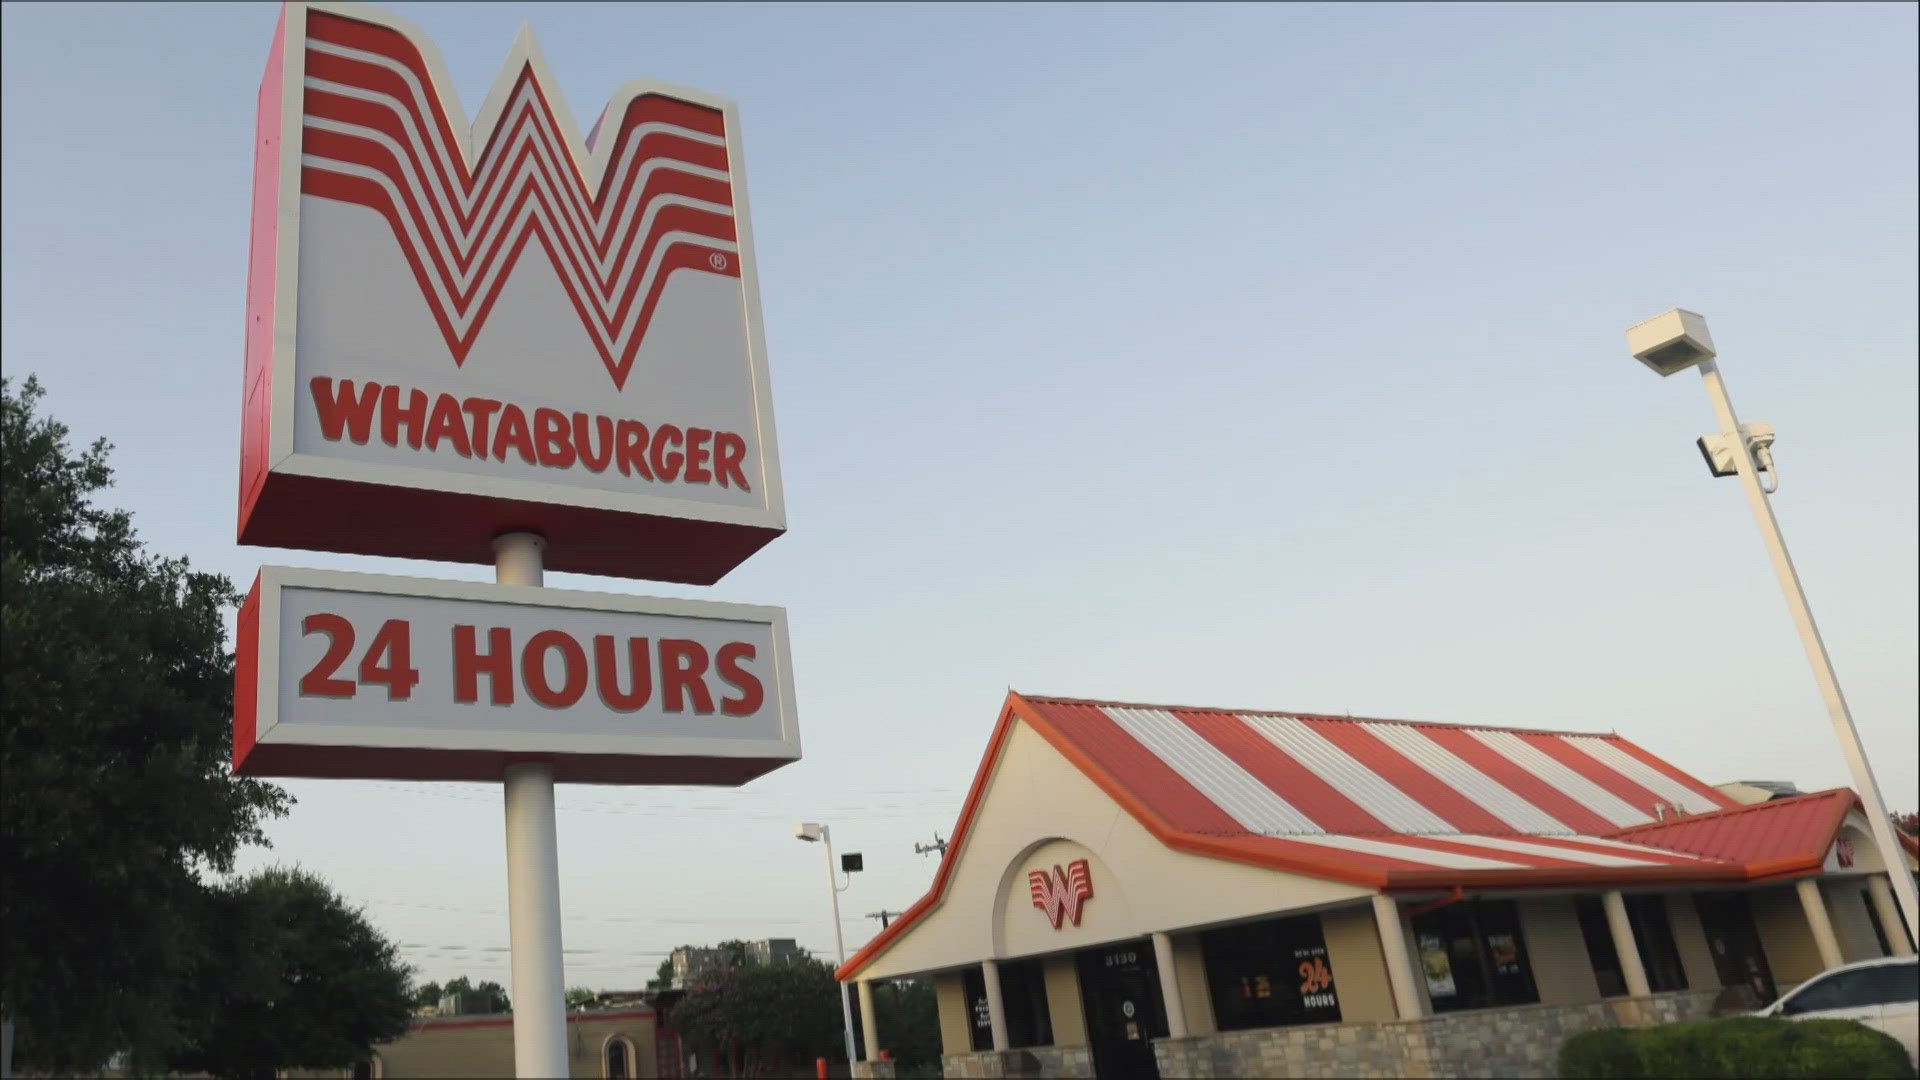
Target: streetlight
[(813, 833), (1679, 340)]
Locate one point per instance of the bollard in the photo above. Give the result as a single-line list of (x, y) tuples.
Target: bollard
[(820, 1068)]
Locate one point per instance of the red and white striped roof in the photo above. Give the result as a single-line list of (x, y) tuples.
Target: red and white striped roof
[(1398, 805), (1381, 797)]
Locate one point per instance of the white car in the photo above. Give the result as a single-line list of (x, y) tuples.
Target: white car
[(1882, 994)]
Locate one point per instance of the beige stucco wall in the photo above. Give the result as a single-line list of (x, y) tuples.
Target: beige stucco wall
[(1359, 967), (1785, 935), (950, 993), (1040, 811), (1190, 971), (1064, 1009), (1562, 972), (484, 1047), (1696, 957)]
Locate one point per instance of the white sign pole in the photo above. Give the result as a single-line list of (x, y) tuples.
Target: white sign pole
[(533, 876)]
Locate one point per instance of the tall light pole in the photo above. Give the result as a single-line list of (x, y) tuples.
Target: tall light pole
[(1679, 340), (813, 833)]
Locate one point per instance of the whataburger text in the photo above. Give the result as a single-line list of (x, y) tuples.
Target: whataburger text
[(480, 427)]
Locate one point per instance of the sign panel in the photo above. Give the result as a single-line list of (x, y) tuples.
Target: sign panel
[(371, 676), (454, 329)]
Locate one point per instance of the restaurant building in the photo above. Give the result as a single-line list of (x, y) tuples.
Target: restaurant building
[(1139, 890)]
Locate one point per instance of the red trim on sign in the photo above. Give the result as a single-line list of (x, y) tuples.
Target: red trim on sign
[(289, 760), (263, 269), (1517, 779), (1611, 781), (246, 675), (313, 513), (1409, 776), (1282, 772)]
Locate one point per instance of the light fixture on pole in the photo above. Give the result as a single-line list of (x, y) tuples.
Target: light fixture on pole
[(815, 833), (1679, 340)]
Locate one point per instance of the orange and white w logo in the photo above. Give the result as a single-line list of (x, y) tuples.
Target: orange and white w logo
[(1063, 893)]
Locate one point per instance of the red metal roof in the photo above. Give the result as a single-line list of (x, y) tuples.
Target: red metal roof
[(1403, 805), (1777, 831)]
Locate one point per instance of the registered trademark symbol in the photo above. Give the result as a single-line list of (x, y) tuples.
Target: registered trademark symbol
[(717, 261)]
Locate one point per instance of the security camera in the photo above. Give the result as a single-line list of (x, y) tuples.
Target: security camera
[(1719, 449), (1672, 342)]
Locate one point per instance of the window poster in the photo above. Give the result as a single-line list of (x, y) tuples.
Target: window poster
[(1505, 952), (1437, 966), (1316, 979)]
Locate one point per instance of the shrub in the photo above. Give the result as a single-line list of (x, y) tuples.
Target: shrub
[(1607, 1054), (1847, 1048), (1743, 1047)]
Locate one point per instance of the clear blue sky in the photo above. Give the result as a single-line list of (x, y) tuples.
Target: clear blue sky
[(1265, 356)]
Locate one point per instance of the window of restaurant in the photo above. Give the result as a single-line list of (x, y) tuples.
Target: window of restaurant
[(1652, 938), (1873, 920), (1023, 992), (1270, 974), (1473, 956), (979, 1018)]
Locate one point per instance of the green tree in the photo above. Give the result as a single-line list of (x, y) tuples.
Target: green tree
[(908, 1016), (764, 1021), (662, 976), (297, 980), (581, 995), (427, 996), (115, 732), (488, 997)]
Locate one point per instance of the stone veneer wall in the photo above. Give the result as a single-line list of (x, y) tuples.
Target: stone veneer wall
[(1520, 1041), (1074, 1061)]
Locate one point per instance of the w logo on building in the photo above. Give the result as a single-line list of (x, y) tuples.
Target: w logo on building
[(1063, 893), (648, 193)]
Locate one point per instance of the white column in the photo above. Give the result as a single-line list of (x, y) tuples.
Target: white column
[(533, 876), (1816, 909), (839, 943), (1170, 986), (1890, 924), (996, 1008), (1865, 786), (870, 1032), (1393, 948), (1624, 946)]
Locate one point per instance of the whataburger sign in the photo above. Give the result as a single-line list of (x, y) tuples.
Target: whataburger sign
[(501, 342), (455, 329)]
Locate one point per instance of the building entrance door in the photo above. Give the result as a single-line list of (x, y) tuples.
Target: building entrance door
[(1120, 991), (1727, 921)]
